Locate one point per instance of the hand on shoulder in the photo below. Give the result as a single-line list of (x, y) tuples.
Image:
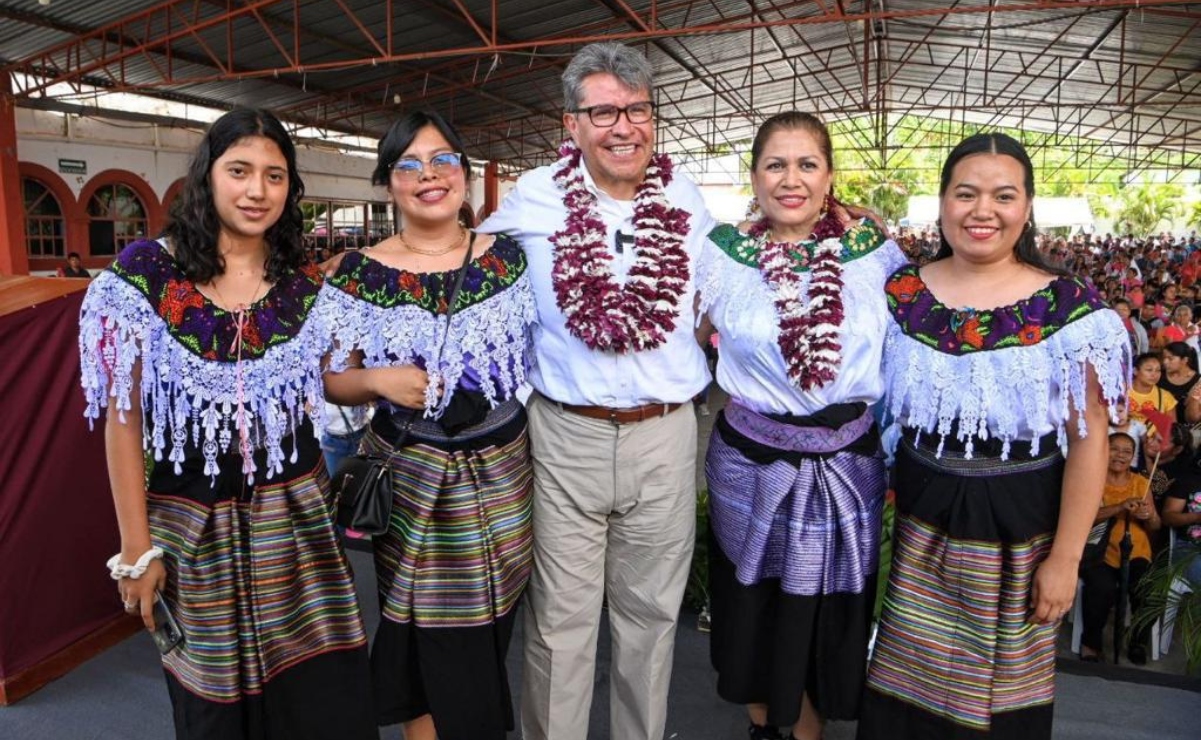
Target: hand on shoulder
[(330, 266), (851, 215)]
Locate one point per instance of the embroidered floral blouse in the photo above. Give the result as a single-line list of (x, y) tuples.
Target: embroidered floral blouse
[(1013, 373), (740, 304), (201, 379), (398, 317)]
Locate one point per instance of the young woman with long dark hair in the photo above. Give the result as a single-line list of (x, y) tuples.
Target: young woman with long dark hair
[(999, 373), (202, 348)]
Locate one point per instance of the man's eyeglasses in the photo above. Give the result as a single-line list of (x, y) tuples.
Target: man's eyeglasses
[(410, 168), (604, 116)]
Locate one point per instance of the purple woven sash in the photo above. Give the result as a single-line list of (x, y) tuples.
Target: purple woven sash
[(780, 436), (814, 525)]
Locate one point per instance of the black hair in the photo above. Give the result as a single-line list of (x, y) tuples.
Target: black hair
[(74, 255), (1138, 361), (793, 121), (1183, 351), (193, 226), (1026, 249), (401, 134)]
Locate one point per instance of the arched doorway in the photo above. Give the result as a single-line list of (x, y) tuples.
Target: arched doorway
[(45, 227), (116, 217)]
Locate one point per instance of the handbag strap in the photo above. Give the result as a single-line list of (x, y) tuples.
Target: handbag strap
[(345, 419), (403, 429), (454, 292)]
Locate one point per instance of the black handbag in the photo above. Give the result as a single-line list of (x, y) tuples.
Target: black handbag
[(363, 485), (363, 482)]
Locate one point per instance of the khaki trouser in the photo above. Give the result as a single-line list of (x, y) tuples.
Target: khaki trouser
[(615, 512)]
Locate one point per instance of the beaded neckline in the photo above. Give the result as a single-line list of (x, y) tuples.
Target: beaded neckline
[(202, 326), (368, 279), (859, 240), (962, 330)]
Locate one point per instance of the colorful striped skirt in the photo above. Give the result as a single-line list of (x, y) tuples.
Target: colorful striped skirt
[(956, 655), (795, 517), (451, 570), (258, 581)]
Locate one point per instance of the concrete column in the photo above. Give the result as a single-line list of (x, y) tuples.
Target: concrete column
[(491, 190), (14, 260)]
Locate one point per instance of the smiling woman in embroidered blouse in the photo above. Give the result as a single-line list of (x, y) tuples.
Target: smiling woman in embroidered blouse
[(213, 459), (996, 367), (796, 480), (457, 555)]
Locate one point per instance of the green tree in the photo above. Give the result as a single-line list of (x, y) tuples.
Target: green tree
[(314, 213), (1194, 217), (886, 193), (1145, 209)]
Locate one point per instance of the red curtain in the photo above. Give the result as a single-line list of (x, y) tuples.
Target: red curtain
[(57, 525)]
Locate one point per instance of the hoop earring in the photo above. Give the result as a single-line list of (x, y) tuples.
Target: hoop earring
[(828, 221)]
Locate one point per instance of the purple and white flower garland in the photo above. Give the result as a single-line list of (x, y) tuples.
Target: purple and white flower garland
[(808, 330), (600, 312)]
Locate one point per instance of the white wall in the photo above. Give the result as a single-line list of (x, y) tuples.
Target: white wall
[(159, 154)]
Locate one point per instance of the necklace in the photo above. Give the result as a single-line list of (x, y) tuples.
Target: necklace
[(808, 337), (601, 313), (436, 251), (238, 308)]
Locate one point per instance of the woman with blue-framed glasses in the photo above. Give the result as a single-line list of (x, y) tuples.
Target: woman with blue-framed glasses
[(433, 326)]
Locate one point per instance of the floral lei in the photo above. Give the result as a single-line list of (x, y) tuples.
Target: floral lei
[(808, 331), (600, 312)]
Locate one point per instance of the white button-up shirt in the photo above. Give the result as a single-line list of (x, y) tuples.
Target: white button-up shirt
[(566, 369)]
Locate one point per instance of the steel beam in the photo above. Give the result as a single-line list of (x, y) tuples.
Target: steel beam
[(65, 61)]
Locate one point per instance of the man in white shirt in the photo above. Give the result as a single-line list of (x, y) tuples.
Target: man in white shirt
[(612, 431)]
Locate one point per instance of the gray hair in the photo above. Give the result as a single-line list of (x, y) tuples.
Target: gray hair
[(628, 65)]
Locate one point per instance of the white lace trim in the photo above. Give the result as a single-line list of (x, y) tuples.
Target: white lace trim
[(188, 398), (1008, 394), (490, 337)]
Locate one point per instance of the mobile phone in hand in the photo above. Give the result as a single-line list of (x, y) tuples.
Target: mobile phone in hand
[(167, 634)]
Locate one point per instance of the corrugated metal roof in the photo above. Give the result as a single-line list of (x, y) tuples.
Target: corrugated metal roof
[(1108, 69)]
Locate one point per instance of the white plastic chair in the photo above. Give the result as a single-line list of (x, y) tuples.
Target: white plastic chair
[(1076, 617)]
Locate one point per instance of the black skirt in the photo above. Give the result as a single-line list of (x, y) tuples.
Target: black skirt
[(770, 645), (956, 655), (451, 571), (274, 648)]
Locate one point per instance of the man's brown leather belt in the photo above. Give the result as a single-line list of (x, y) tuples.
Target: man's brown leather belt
[(622, 416)]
